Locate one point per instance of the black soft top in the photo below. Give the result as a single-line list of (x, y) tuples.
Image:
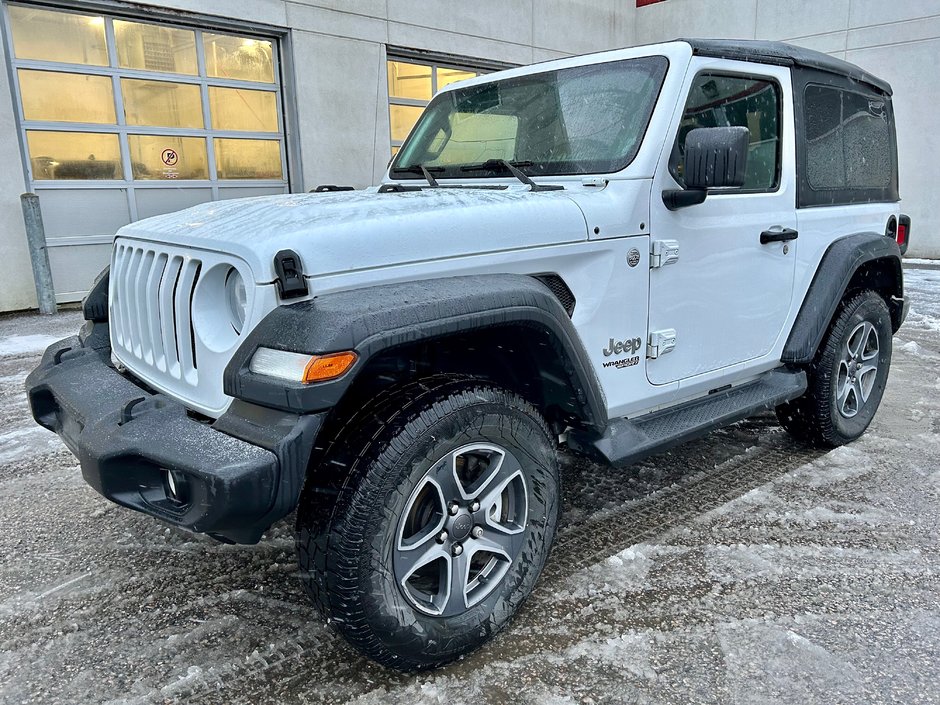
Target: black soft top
[(782, 54)]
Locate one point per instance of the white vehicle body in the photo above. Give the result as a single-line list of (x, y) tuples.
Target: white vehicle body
[(731, 300)]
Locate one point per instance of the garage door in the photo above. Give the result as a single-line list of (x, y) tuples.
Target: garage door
[(122, 119)]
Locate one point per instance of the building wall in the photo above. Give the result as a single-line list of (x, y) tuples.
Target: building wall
[(337, 51)]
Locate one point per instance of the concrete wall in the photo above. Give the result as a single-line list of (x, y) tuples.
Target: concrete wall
[(337, 49)]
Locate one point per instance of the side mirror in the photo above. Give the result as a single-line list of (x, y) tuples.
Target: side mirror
[(715, 157)]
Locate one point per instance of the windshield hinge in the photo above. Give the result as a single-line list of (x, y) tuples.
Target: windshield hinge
[(290, 275), (663, 252)]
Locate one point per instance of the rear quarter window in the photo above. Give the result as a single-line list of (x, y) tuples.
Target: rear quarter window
[(848, 140)]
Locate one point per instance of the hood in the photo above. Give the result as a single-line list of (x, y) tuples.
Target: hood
[(352, 230)]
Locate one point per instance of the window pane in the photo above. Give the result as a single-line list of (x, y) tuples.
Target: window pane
[(238, 57), (848, 142), (66, 97), (58, 36), (582, 119), (448, 76), (248, 159), (163, 157), (161, 103), (74, 155), (403, 118), (409, 80), (152, 47), (243, 109), (475, 137), (718, 101)]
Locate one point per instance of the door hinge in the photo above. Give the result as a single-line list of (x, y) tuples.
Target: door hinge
[(663, 252), (660, 343)]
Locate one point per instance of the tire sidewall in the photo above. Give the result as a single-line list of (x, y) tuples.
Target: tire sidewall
[(872, 309), (402, 628)]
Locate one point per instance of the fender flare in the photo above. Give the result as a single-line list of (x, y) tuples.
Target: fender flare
[(841, 261), (374, 319)]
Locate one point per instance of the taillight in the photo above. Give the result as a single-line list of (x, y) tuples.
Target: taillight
[(904, 232)]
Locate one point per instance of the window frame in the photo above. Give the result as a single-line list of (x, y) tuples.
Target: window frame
[(285, 116), (747, 75)]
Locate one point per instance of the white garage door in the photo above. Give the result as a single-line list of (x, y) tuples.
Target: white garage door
[(122, 119)]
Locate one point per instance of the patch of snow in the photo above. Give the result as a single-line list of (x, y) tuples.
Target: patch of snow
[(25, 442), (25, 344), (628, 653)]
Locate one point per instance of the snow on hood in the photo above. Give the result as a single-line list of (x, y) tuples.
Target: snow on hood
[(350, 230)]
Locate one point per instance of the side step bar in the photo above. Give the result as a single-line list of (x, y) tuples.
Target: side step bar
[(627, 441)]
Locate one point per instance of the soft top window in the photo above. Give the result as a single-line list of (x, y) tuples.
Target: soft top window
[(848, 140), (846, 148), (580, 120)]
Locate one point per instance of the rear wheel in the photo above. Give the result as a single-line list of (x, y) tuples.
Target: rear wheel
[(847, 378), (441, 526)]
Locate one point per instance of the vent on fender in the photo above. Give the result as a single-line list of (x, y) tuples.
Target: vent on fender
[(559, 290)]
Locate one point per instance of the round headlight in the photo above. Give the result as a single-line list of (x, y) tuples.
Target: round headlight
[(237, 297)]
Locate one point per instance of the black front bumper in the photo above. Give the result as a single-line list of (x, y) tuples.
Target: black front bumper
[(239, 474)]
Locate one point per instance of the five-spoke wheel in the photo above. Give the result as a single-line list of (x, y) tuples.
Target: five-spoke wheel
[(461, 529), (858, 369)]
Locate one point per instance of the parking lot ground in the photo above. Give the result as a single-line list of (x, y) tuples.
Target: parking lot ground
[(740, 568)]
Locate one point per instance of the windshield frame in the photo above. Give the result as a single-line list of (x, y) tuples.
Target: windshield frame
[(397, 167)]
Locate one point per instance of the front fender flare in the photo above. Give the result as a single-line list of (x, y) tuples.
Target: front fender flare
[(374, 319)]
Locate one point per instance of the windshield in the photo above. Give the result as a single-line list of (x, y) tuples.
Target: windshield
[(580, 120)]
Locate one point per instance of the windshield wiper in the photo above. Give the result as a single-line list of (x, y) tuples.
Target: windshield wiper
[(512, 168), (425, 171)]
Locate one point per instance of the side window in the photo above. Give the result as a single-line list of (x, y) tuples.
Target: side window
[(848, 141), (735, 101)]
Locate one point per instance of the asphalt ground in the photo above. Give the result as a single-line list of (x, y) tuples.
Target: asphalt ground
[(740, 568)]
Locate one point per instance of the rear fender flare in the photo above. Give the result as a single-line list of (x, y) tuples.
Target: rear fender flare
[(844, 258)]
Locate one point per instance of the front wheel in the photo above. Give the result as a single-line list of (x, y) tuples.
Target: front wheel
[(847, 378), (442, 526)]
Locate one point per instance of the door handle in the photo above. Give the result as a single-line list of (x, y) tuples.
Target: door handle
[(782, 235)]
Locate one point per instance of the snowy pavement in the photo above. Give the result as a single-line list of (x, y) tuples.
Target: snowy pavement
[(740, 568)]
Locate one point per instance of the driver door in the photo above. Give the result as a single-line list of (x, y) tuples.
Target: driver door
[(726, 298)]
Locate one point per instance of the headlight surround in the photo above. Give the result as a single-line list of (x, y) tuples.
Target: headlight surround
[(236, 296)]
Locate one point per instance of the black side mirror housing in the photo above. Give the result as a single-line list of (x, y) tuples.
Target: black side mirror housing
[(715, 157)]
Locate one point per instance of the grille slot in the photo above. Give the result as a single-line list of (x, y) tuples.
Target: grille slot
[(151, 309)]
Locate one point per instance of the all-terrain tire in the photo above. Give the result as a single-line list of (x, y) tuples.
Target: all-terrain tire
[(828, 416), (349, 520)]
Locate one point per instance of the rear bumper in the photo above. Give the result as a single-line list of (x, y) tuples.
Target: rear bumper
[(239, 473)]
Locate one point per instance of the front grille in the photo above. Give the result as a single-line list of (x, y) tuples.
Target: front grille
[(151, 309)]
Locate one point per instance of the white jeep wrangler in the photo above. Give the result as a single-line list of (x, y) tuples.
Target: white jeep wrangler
[(599, 252)]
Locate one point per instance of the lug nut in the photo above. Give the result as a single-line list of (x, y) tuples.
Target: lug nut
[(475, 506), (453, 508), (477, 532), (457, 549), (442, 537)]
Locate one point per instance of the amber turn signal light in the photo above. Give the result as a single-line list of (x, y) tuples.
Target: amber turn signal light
[(321, 368)]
